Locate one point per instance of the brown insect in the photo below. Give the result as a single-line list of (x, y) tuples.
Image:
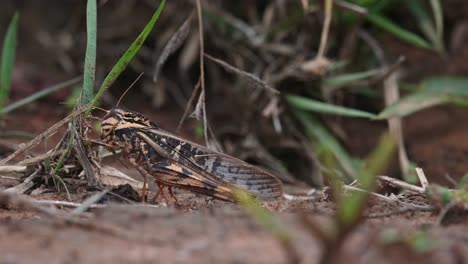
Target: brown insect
[(176, 162)]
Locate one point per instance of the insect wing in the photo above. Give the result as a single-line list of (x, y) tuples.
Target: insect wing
[(175, 175), (217, 166)]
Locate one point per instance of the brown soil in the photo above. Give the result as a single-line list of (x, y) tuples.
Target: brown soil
[(218, 232), (201, 231)]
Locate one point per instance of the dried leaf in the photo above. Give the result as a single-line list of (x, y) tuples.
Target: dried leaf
[(172, 45), (113, 177), (189, 53), (198, 112)]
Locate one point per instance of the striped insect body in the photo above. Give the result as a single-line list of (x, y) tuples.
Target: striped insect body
[(176, 162)]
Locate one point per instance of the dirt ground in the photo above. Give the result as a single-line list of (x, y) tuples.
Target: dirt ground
[(205, 231), (200, 230), (218, 232)]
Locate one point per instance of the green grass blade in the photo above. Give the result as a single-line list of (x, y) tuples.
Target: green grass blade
[(399, 32), (39, 94), (315, 130), (263, 216), (345, 79), (432, 92), (90, 57), (438, 18), (127, 57), (454, 86), (269, 221), (413, 103), (8, 59), (89, 202), (307, 104), (426, 24), (350, 208)]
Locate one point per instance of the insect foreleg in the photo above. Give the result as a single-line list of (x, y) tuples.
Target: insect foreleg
[(132, 159)]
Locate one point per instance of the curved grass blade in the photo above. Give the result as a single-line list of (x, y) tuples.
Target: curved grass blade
[(307, 104), (90, 57), (455, 86), (345, 79), (269, 221), (127, 57), (39, 94), (399, 32), (432, 92), (350, 208), (438, 17), (413, 103), (426, 24), (8, 59), (314, 129)]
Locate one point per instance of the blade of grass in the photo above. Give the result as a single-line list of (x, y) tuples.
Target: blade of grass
[(426, 24), (315, 130), (269, 221), (90, 57), (127, 56), (264, 217), (64, 156), (455, 86), (399, 32), (89, 202), (345, 79), (432, 92), (8, 59), (307, 104), (413, 103), (350, 208), (438, 18), (39, 94)]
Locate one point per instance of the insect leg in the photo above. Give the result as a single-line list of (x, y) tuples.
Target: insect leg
[(172, 194), (161, 192), (132, 160), (157, 194)]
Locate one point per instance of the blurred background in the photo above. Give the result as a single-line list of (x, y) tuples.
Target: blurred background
[(342, 72)]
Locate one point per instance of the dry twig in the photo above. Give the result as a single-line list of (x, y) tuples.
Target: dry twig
[(53, 129), (401, 184)]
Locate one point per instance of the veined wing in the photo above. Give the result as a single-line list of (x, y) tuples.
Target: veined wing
[(218, 166), (177, 175)]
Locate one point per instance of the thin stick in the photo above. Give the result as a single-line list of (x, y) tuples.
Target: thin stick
[(401, 184), (131, 85), (291, 197), (376, 195), (189, 103), (66, 204), (202, 69), (351, 7), (16, 169), (392, 94), (422, 178), (326, 28), (9, 178), (44, 134), (76, 205), (102, 109), (26, 184)]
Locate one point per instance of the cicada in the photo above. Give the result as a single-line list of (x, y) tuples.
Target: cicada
[(175, 162)]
